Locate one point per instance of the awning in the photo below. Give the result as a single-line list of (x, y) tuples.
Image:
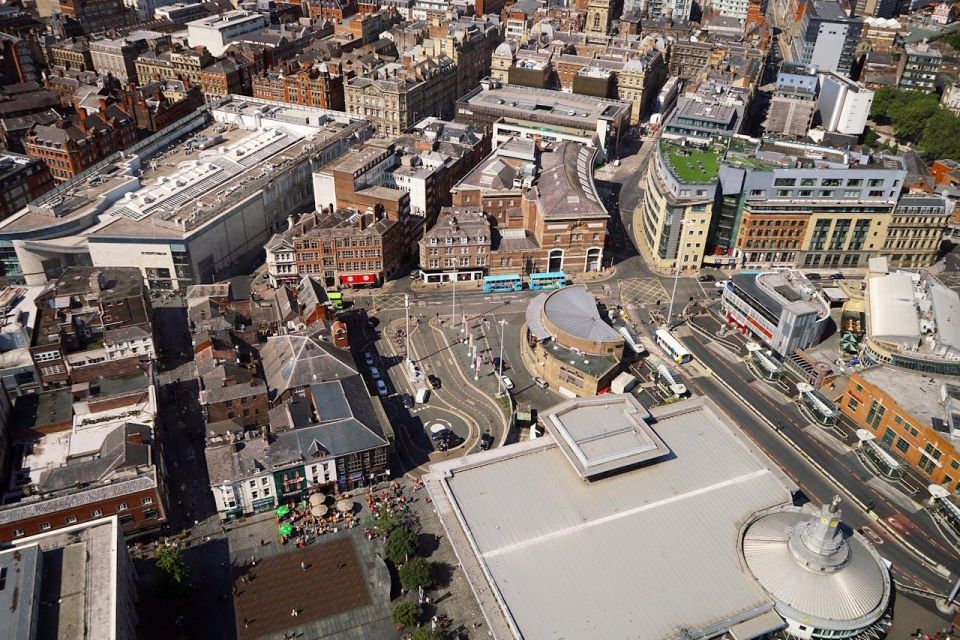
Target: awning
[(765, 623), (360, 278)]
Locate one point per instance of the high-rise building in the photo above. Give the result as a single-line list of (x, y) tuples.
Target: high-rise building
[(919, 67), (827, 37), (844, 104)]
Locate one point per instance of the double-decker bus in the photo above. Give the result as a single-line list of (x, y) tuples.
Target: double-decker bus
[(549, 280), (499, 284), (336, 299), (672, 346)]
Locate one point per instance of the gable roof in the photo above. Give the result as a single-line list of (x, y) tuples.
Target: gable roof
[(294, 361)]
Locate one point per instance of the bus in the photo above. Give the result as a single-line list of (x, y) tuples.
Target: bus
[(672, 346), (549, 280), (498, 284), (336, 299)]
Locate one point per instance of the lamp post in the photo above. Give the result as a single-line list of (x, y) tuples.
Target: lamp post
[(676, 276), (500, 368), (406, 309), (453, 306)]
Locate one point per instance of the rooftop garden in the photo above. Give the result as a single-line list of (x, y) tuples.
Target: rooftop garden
[(692, 165)]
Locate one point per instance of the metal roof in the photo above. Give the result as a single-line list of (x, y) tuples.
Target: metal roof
[(893, 311), (574, 311), (642, 553)]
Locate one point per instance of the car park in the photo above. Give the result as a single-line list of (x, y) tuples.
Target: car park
[(382, 387)]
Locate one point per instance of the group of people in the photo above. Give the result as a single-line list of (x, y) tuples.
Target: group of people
[(307, 527), (391, 500)]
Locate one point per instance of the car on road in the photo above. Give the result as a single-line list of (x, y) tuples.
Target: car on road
[(382, 388), (434, 381), (507, 382), (540, 382), (497, 364), (706, 278), (374, 373), (407, 401), (368, 358), (415, 274), (721, 284), (836, 276), (814, 276), (373, 321), (486, 441)]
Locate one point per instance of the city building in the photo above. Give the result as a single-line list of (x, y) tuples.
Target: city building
[(237, 170), (910, 322), (608, 473), (677, 208), (790, 113), (88, 570), (117, 56), (329, 439), (880, 34), (397, 95), (95, 16), (92, 322), (713, 110), (781, 309), (912, 416), (951, 97), (70, 54), (178, 64), (74, 144), (568, 343), (104, 462), (312, 85), (22, 179), (180, 13), (217, 31), (827, 37), (159, 103), (919, 66), (19, 59), (458, 246), (844, 105), (509, 111), (916, 231)]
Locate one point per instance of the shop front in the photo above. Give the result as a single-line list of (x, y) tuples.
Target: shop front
[(360, 280)]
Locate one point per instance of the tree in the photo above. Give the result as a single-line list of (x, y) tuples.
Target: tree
[(415, 574), (401, 544), (384, 522), (426, 633), (405, 614), (173, 570)]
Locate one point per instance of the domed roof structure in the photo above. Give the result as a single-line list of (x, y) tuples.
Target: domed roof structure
[(819, 573)]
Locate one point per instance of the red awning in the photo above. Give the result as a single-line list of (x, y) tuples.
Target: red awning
[(361, 278)]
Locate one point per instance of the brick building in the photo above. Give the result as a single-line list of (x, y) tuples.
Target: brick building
[(74, 144), (314, 84), (22, 179), (98, 15), (178, 64), (158, 104)]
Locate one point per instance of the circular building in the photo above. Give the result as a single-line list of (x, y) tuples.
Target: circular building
[(569, 344), (826, 581)]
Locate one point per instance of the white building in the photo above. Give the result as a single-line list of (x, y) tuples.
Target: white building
[(216, 32), (781, 308), (195, 203), (844, 104), (951, 97), (145, 8)]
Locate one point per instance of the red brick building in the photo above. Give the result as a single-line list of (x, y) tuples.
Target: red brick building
[(312, 85), (22, 179)]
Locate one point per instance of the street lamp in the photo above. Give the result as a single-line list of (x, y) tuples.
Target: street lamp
[(500, 372), (676, 276)]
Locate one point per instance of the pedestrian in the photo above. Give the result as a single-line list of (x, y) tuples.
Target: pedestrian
[(263, 542), (294, 612), (303, 566), (341, 565), (246, 623)]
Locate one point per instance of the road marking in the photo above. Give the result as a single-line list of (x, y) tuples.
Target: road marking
[(642, 291)]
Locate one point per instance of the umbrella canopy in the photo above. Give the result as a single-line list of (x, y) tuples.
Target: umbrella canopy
[(316, 499), (318, 510), (282, 510), (285, 529), (345, 506)]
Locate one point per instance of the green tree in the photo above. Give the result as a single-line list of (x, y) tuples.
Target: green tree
[(405, 613), (401, 544), (426, 633), (173, 570), (384, 522), (415, 574)]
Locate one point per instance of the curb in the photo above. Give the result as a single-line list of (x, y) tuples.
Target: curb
[(935, 566)]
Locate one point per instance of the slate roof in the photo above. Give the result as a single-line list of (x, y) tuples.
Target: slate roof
[(118, 451), (294, 361)]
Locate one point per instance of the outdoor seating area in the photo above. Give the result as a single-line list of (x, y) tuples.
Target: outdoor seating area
[(303, 522)]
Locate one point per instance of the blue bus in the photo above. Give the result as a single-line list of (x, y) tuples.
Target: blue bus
[(498, 284), (549, 280)]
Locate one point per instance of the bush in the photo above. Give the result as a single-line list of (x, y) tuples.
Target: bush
[(405, 613), (415, 574), (401, 544), (426, 633)]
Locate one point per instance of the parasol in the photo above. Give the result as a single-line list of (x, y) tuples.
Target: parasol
[(285, 529), (282, 510)]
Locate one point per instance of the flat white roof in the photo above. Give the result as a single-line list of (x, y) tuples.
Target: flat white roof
[(638, 554), (893, 310)]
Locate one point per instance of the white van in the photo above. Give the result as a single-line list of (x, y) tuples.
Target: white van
[(423, 394)]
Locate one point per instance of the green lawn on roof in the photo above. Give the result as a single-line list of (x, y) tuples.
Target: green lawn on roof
[(693, 165)]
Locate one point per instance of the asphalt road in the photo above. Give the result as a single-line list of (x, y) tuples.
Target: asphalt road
[(906, 566)]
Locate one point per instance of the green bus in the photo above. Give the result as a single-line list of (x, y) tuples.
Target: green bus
[(336, 299)]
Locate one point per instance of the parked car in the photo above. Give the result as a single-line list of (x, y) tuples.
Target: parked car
[(407, 401), (374, 373), (497, 364), (814, 276), (486, 441), (415, 274), (507, 383), (382, 387), (721, 284), (540, 382), (836, 276), (434, 381), (706, 278), (368, 358)]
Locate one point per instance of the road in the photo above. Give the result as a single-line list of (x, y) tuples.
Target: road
[(843, 467)]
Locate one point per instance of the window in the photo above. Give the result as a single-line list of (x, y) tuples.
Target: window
[(902, 445), (122, 506), (147, 501), (96, 513), (927, 465), (954, 464), (853, 404), (44, 526), (17, 533), (151, 514)]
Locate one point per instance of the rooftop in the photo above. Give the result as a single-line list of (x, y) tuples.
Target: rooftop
[(573, 310), (692, 165), (576, 559), (776, 290), (914, 312), (545, 105)]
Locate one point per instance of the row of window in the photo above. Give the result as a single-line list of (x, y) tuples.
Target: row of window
[(149, 514)]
